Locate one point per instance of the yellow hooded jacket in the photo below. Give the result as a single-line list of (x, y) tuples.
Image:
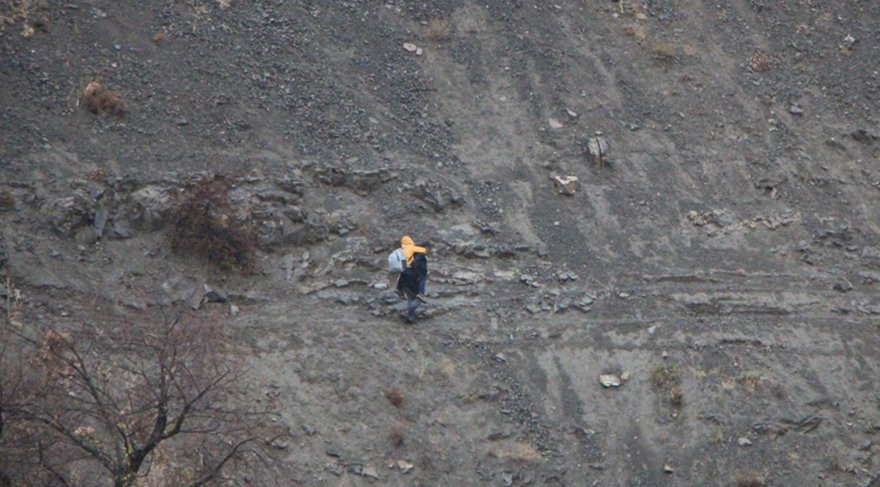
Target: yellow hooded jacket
[(410, 249)]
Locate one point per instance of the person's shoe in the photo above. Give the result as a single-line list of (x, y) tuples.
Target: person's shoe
[(422, 298)]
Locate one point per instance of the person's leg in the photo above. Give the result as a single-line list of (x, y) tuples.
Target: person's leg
[(412, 304)]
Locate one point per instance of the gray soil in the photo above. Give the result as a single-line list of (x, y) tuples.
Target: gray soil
[(728, 237)]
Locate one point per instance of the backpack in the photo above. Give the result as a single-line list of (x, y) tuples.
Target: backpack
[(396, 261)]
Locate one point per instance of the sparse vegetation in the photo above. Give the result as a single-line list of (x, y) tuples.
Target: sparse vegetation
[(750, 479), (666, 379), (760, 62), (206, 225), (396, 437), (637, 32), (751, 382), (14, 11), (7, 200), (394, 396), (439, 29), (100, 100), (665, 376), (663, 50)]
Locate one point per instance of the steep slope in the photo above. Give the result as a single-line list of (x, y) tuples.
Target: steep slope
[(727, 238)]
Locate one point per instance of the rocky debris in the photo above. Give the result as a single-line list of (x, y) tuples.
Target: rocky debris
[(370, 472), (864, 137), (410, 47), (149, 207), (439, 196), (554, 124), (70, 213), (567, 185), (743, 441), (796, 110), (404, 466), (597, 150), (667, 468)]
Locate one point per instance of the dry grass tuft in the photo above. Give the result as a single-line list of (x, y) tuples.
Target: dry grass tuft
[(676, 396), (98, 99), (517, 450), (159, 37), (664, 376), (751, 382), (206, 225), (663, 50), (750, 479), (396, 438), (394, 396), (637, 32), (759, 62), (439, 29), (7, 200)]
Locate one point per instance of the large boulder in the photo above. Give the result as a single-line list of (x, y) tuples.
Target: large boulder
[(149, 207)]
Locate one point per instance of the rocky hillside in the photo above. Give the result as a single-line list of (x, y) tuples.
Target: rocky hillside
[(679, 200)]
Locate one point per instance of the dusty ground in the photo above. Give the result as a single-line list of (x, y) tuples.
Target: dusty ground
[(725, 253)]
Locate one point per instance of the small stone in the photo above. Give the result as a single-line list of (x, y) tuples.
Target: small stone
[(554, 124), (279, 445), (609, 380), (796, 110), (668, 468), (665, 354), (624, 295), (567, 185), (409, 46), (641, 16), (380, 285), (743, 441), (370, 472), (419, 51), (571, 113), (214, 295), (624, 376), (405, 466), (234, 310)]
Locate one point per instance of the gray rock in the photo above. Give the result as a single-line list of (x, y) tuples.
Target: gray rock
[(214, 295), (743, 441), (567, 185), (121, 229), (68, 214), (610, 380), (149, 207), (597, 150), (796, 110), (100, 221)]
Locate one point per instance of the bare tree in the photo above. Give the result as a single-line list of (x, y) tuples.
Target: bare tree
[(151, 398)]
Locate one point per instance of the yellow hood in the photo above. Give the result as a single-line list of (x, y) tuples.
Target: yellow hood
[(410, 248)]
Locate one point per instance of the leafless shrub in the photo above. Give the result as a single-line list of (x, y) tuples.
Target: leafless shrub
[(206, 225), (438, 29), (157, 399), (100, 100), (759, 62)]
